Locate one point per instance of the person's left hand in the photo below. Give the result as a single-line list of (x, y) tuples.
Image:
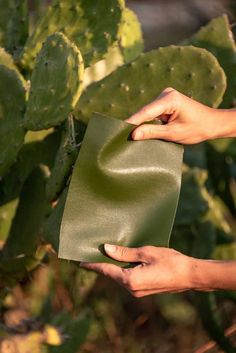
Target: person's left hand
[(159, 269)]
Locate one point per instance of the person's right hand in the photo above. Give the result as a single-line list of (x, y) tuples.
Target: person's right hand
[(185, 120)]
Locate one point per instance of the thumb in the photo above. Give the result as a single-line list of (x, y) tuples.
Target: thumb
[(122, 253), (150, 131)]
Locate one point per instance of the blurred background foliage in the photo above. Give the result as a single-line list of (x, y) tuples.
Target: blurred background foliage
[(60, 308)]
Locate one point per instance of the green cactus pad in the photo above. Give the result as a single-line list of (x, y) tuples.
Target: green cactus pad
[(130, 35), (225, 252), (7, 212), (5, 13), (217, 37), (104, 67), (21, 251), (31, 154), (193, 203), (14, 269), (12, 106), (7, 60), (56, 83), (18, 27), (127, 48), (66, 157), (76, 329), (52, 224), (32, 207), (137, 83), (93, 26)]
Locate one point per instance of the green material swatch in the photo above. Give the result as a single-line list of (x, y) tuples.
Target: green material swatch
[(121, 192)]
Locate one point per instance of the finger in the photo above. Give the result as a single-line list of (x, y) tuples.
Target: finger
[(122, 253), (148, 112), (108, 270), (150, 131), (162, 105)]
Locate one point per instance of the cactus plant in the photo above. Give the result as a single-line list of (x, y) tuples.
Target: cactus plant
[(81, 22), (65, 159), (56, 83), (21, 251), (195, 233), (52, 224), (211, 320), (140, 81), (7, 212), (130, 35), (14, 269), (12, 106), (6, 59), (32, 206), (127, 48), (18, 27), (5, 13), (217, 37), (35, 174), (31, 154), (225, 252), (193, 203), (76, 330)]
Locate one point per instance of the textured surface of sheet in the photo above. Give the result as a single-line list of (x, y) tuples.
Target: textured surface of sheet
[(121, 192)]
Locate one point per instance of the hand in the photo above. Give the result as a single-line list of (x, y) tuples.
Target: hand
[(160, 269), (186, 120)]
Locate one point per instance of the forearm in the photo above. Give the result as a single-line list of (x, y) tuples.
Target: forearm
[(223, 123), (209, 275)]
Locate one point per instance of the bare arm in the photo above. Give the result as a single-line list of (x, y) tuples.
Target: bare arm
[(187, 121), (164, 270), (214, 275)]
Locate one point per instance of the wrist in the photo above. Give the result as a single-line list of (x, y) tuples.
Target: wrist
[(223, 123), (202, 275), (209, 275)]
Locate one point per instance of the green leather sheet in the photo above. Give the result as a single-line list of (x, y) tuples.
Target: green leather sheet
[(121, 192)]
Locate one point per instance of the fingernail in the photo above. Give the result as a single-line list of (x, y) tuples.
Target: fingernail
[(109, 248), (129, 118), (138, 135), (130, 121)]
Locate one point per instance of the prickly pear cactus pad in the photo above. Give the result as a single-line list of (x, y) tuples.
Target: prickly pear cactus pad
[(5, 13), (30, 155), (12, 106), (193, 71), (217, 37), (7, 60), (131, 39), (127, 48), (22, 238), (66, 157), (56, 83), (93, 26), (18, 27)]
